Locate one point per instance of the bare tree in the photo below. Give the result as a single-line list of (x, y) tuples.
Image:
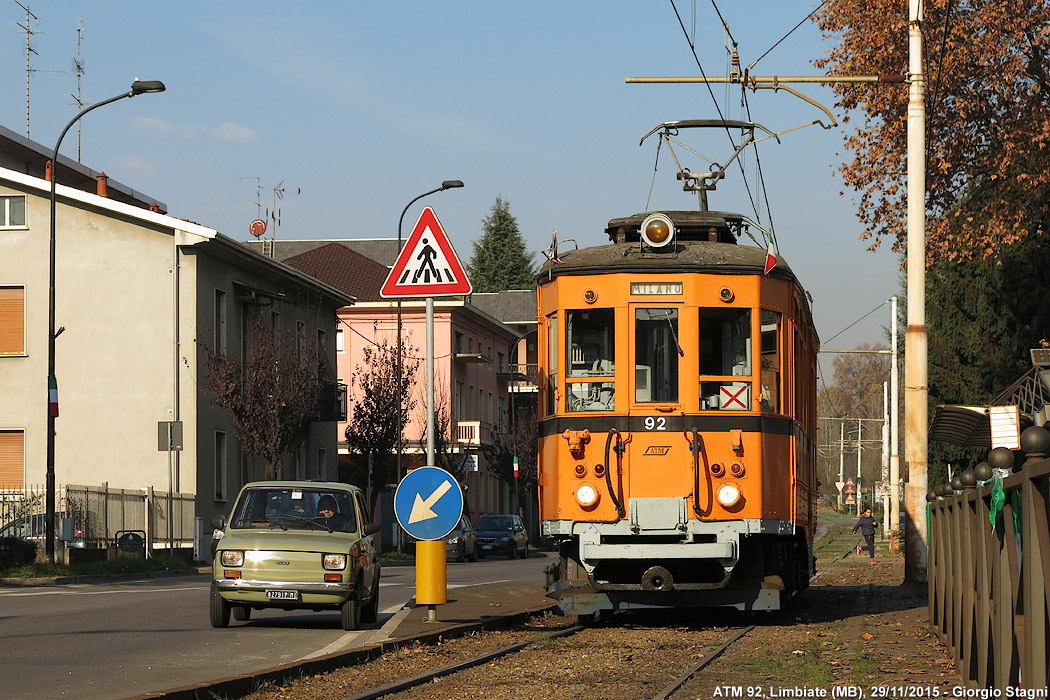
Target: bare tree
[(371, 430), (269, 395)]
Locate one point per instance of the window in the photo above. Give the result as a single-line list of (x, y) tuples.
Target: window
[(590, 343), (13, 211), (322, 459), (725, 353), (552, 364), (12, 459), (220, 321), (770, 361), (220, 466), (656, 353), (12, 321), (339, 347), (459, 343)]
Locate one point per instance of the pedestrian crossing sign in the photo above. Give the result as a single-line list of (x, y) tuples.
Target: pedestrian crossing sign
[(427, 266)]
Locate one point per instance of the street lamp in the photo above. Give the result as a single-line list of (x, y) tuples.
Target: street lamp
[(446, 185), (137, 88)]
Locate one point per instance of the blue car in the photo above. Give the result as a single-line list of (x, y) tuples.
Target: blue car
[(502, 534)]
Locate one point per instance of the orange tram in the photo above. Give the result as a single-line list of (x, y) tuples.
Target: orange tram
[(677, 419)]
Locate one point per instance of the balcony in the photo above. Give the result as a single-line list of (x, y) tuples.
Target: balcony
[(330, 406), (473, 433)]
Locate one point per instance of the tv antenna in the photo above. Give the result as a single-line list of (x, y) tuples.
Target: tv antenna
[(279, 191), (78, 68), (30, 51)]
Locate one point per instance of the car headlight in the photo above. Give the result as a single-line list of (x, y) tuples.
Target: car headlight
[(334, 562), (232, 557)]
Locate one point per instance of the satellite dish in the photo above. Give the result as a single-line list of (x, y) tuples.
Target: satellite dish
[(257, 227)]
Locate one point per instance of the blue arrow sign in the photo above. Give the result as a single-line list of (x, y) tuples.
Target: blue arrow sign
[(428, 503)]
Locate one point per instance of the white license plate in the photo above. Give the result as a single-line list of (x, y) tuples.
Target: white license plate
[(282, 595), (487, 546)]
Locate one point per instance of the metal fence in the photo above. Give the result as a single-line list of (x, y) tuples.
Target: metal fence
[(100, 512), (989, 565)]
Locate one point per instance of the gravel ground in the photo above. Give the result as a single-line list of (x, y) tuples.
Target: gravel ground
[(857, 625)]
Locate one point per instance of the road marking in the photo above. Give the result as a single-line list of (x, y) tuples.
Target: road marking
[(75, 592)]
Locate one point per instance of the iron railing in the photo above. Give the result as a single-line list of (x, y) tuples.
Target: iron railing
[(989, 565)]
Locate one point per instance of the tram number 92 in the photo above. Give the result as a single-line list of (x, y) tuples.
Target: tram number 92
[(655, 423)]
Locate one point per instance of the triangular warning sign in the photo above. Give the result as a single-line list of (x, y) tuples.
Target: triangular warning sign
[(427, 265)]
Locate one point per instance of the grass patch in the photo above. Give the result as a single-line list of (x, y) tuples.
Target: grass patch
[(393, 555), (117, 565), (802, 669)]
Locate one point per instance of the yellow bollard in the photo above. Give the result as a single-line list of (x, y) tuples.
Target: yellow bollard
[(430, 572)]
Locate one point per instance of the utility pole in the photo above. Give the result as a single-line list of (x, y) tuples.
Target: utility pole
[(915, 338)]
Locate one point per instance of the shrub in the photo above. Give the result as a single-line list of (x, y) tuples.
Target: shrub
[(16, 552)]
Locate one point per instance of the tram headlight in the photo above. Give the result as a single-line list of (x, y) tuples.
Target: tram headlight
[(657, 230), (587, 496), (728, 495)]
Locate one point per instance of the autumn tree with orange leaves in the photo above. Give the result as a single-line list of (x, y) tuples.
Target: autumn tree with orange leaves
[(988, 132)]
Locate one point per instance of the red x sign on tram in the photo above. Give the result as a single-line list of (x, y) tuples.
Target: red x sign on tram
[(731, 394)]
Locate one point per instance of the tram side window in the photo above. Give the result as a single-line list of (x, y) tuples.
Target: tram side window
[(656, 353), (770, 361), (552, 364), (725, 351), (589, 345)]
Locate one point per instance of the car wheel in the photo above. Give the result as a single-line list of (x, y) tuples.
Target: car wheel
[(511, 551), (370, 612), (219, 609), (352, 611), (242, 613), (473, 556), (461, 553)]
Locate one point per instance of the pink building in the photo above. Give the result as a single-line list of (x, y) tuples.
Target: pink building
[(473, 352)]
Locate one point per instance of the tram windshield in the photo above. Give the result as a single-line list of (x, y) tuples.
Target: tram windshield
[(590, 347), (725, 351)]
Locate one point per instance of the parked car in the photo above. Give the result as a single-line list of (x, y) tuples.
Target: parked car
[(503, 534), (296, 545), (33, 527), (462, 543)]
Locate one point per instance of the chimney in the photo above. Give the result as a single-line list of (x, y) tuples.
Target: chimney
[(100, 189), (47, 170), (154, 207)]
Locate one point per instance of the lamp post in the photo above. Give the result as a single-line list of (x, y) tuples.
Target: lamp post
[(137, 88), (446, 185)]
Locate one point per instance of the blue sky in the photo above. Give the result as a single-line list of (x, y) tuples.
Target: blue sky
[(363, 106)]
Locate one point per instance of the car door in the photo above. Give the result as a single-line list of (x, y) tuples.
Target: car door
[(367, 545)]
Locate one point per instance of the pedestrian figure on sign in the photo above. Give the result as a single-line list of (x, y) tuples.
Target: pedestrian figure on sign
[(427, 255), (867, 525)]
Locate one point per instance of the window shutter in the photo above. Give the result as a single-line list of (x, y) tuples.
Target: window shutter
[(12, 321), (12, 459)]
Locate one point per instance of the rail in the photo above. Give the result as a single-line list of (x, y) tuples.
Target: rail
[(989, 565)]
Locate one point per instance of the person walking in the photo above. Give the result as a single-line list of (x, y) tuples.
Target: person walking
[(867, 525)]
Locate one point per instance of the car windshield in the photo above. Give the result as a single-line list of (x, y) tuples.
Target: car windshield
[(494, 522), (291, 508)]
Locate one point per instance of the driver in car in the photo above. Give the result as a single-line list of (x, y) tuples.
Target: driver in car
[(328, 514)]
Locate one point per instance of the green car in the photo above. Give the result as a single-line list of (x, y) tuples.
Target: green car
[(296, 545)]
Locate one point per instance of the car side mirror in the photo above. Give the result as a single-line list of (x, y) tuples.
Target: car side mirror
[(372, 528), (219, 522)]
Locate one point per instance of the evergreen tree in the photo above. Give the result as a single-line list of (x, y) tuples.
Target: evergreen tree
[(500, 259)]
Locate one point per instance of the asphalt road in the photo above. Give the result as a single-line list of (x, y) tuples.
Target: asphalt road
[(110, 641)]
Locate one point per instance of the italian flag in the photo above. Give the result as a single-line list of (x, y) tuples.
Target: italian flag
[(52, 396), (771, 253)]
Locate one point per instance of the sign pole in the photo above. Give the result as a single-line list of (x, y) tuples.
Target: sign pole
[(430, 382)]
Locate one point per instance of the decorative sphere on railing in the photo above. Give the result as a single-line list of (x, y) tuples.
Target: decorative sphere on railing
[(1035, 440), (931, 496), (1001, 458), (968, 479), (983, 471), (944, 490)]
